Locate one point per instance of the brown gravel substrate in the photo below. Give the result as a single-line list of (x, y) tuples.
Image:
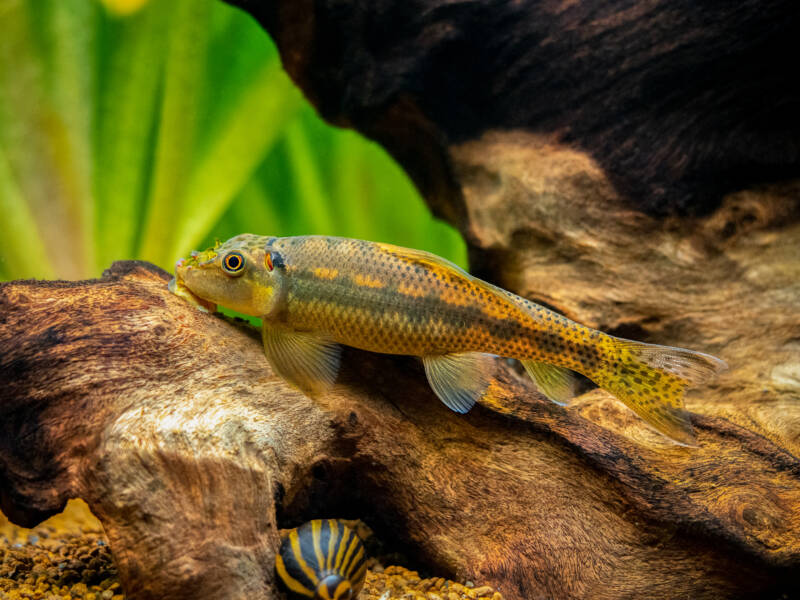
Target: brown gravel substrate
[(397, 583), (64, 566), (68, 558)]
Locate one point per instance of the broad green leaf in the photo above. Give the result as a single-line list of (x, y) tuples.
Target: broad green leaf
[(124, 8), (35, 142), (150, 128), (351, 184), (253, 211), (23, 254), (185, 67), (242, 141), (231, 67), (128, 97), (71, 29), (312, 202)]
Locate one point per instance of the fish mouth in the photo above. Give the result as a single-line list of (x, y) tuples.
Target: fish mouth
[(181, 267), (178, 287), (177, 284)]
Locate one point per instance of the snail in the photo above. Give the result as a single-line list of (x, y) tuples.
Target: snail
[(323, 559)]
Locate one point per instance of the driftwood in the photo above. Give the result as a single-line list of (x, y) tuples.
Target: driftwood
[(169, 423)]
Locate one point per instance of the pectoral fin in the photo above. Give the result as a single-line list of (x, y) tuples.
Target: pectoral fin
[(557, 383), (459, 380), (307, 360)]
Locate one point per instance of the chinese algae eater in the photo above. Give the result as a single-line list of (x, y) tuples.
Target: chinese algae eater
[(314, 293)]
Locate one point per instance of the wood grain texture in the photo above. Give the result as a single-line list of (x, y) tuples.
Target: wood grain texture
[(168, 422)]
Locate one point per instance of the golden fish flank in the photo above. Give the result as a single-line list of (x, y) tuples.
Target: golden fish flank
[(315, 292)]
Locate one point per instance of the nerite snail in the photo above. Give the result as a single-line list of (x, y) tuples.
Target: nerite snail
[(323, 559)]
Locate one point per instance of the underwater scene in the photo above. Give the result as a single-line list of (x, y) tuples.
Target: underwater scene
[(399, 300)]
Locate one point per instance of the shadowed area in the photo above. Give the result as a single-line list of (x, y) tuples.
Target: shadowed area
[(679, 102)]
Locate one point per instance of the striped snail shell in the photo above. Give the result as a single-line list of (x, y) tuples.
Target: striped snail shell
[(323, 559)]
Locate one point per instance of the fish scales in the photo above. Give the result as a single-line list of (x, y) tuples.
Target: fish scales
[(372, 299), (315, 292)]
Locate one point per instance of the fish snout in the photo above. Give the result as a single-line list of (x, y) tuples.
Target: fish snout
[(181, 268)]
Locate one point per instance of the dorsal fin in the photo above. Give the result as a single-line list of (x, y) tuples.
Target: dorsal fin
[(422, 258)]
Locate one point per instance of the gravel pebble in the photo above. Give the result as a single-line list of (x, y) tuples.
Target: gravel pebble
[(398, 583), (71, 563), (58, 565)]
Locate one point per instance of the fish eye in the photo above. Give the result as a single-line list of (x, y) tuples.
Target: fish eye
[(233, 263)]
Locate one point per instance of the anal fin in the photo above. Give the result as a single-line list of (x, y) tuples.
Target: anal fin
[(459, 380), (304, 359), (557, 383)]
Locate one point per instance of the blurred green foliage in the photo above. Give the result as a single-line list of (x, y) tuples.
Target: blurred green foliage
[(150, 131)]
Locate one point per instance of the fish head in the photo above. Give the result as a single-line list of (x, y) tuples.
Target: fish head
[(239, 274)]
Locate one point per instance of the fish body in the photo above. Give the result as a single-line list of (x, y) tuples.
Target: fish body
[(315, 292)]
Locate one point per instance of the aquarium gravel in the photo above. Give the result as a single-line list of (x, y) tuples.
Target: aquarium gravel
[(50, 565), (398, 583), (56, 561)]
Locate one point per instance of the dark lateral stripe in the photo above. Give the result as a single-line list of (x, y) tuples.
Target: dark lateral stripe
[(340, 291), (420, 311)]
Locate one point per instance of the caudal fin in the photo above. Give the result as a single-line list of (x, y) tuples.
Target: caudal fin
[(652, 379)]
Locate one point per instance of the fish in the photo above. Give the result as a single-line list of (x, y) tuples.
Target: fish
[(316, 293)]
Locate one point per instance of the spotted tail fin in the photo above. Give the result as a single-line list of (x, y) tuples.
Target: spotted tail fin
[(652, 379)]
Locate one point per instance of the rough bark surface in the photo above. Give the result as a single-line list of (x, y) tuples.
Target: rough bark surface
[(169, 423)]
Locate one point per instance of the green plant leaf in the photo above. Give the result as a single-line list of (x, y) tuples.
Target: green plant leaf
[(241, 142), (184, 71), (312, 201), (35, 142), (128, 95), (150, 128), (23, 252), (70, 28)]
